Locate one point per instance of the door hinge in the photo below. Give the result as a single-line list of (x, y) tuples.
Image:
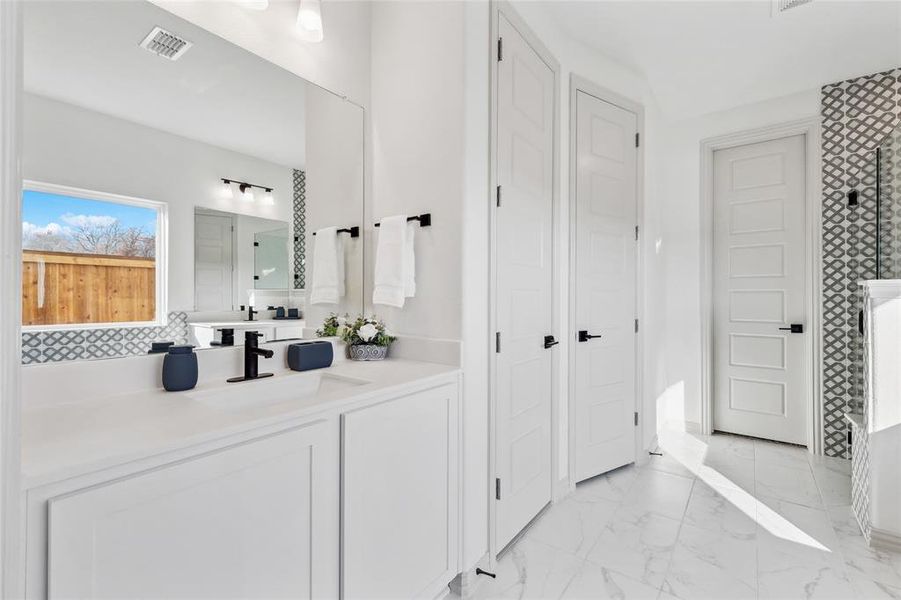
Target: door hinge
[(497, 342), (636, 139), (636, 233), (497, 488), (498, 196), (636, 419), (636, 325), (500, 49)]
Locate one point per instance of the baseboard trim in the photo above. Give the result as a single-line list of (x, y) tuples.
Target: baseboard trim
[(885, 540), (466, 584), (692, 427)]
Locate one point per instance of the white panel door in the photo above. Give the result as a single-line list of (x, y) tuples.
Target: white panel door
[(399, 496), (759, 267), (213, 262), (525, 159), (257, 520), (605, 218)]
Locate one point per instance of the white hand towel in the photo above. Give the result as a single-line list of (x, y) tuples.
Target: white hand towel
[(391, 262), (410, 261), (327, 267)]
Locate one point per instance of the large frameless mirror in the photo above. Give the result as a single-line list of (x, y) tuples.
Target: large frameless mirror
[(173, 182)]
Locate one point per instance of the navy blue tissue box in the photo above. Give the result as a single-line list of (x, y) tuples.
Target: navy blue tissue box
[(305, 356)]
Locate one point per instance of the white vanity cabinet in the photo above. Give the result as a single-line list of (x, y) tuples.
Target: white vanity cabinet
[(253, 520), (355, 498), (399, 501)]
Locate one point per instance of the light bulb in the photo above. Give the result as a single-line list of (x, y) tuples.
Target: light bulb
[(246, 193), (268, 199), (309, 20), (226, 191)]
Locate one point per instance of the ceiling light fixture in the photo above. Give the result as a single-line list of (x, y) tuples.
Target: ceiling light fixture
[(309, 20)]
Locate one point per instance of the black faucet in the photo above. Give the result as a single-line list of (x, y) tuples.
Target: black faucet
[(250, 312), (252, 352)]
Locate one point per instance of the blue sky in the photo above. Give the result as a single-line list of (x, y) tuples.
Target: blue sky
[(42, 208)]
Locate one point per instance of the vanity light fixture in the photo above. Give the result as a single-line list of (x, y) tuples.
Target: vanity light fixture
[(309, 20), (246, 190)]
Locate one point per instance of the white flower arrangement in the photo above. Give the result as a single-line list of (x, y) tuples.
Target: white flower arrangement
[(367, 330)]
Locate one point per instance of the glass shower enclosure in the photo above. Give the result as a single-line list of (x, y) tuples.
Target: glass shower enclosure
[(888, 206)]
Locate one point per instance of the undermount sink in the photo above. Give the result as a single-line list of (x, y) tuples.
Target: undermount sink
[(274, 390)]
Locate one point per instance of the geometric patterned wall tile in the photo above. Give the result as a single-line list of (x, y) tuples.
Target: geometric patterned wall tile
[(300, 227), (81, 344), (856, 115)]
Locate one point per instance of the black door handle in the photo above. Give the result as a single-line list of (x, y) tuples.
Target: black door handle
[(584, 336), (549, 341), (794, 328)]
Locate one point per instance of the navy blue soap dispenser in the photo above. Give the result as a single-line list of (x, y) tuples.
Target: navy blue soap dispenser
[(180, 369)]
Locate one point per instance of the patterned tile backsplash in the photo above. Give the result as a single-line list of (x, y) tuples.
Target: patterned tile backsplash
[(300, 228), (856, 115), (81, 344)]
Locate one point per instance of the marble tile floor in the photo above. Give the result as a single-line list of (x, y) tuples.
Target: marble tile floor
[(716, 517)]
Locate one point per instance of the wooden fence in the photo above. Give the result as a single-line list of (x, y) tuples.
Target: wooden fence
[(86, 288)]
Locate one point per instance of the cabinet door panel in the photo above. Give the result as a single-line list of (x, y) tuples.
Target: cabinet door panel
[(399, 496), (250, 521)]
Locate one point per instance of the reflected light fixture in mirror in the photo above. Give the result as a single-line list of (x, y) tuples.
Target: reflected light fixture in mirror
[(309, 20), (226, 191), (268, 199), (246, 192)]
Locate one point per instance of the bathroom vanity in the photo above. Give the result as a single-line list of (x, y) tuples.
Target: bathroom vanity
[(341, 482)]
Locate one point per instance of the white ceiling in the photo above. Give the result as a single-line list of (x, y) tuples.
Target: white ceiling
[(701, 57), (87, 54)]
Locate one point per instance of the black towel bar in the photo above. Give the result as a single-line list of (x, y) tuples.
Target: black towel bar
[(353, 231), (425, 220)]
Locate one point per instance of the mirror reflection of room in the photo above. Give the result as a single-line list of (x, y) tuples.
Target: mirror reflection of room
[(173, 182)]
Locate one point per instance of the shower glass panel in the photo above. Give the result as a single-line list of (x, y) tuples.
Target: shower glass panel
[(888, 207)]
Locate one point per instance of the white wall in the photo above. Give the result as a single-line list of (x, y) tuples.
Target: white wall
[(677, 179), (417, 142), (68, 145), (334, 192)]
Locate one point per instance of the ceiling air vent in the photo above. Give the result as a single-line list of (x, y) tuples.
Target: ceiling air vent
[(165, 43), (780, 6)]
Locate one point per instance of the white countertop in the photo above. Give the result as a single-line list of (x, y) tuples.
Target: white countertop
[(72, 439), (250, 324)]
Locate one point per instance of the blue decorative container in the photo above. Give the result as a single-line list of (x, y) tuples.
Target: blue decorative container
[(180, 369)]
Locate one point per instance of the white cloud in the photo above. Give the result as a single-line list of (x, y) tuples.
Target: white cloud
[(29, 229), (88, 220)]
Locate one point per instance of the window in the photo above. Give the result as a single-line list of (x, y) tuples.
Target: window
[(90, 258)]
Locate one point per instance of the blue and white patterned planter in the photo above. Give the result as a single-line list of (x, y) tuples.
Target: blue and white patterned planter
[(367, 352)]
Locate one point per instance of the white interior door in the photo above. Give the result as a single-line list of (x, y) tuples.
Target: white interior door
[(525, 160), (213, 262), (605, 217), (759, 290)]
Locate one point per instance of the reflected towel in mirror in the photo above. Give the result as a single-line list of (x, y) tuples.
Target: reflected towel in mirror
[(328, 267)]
